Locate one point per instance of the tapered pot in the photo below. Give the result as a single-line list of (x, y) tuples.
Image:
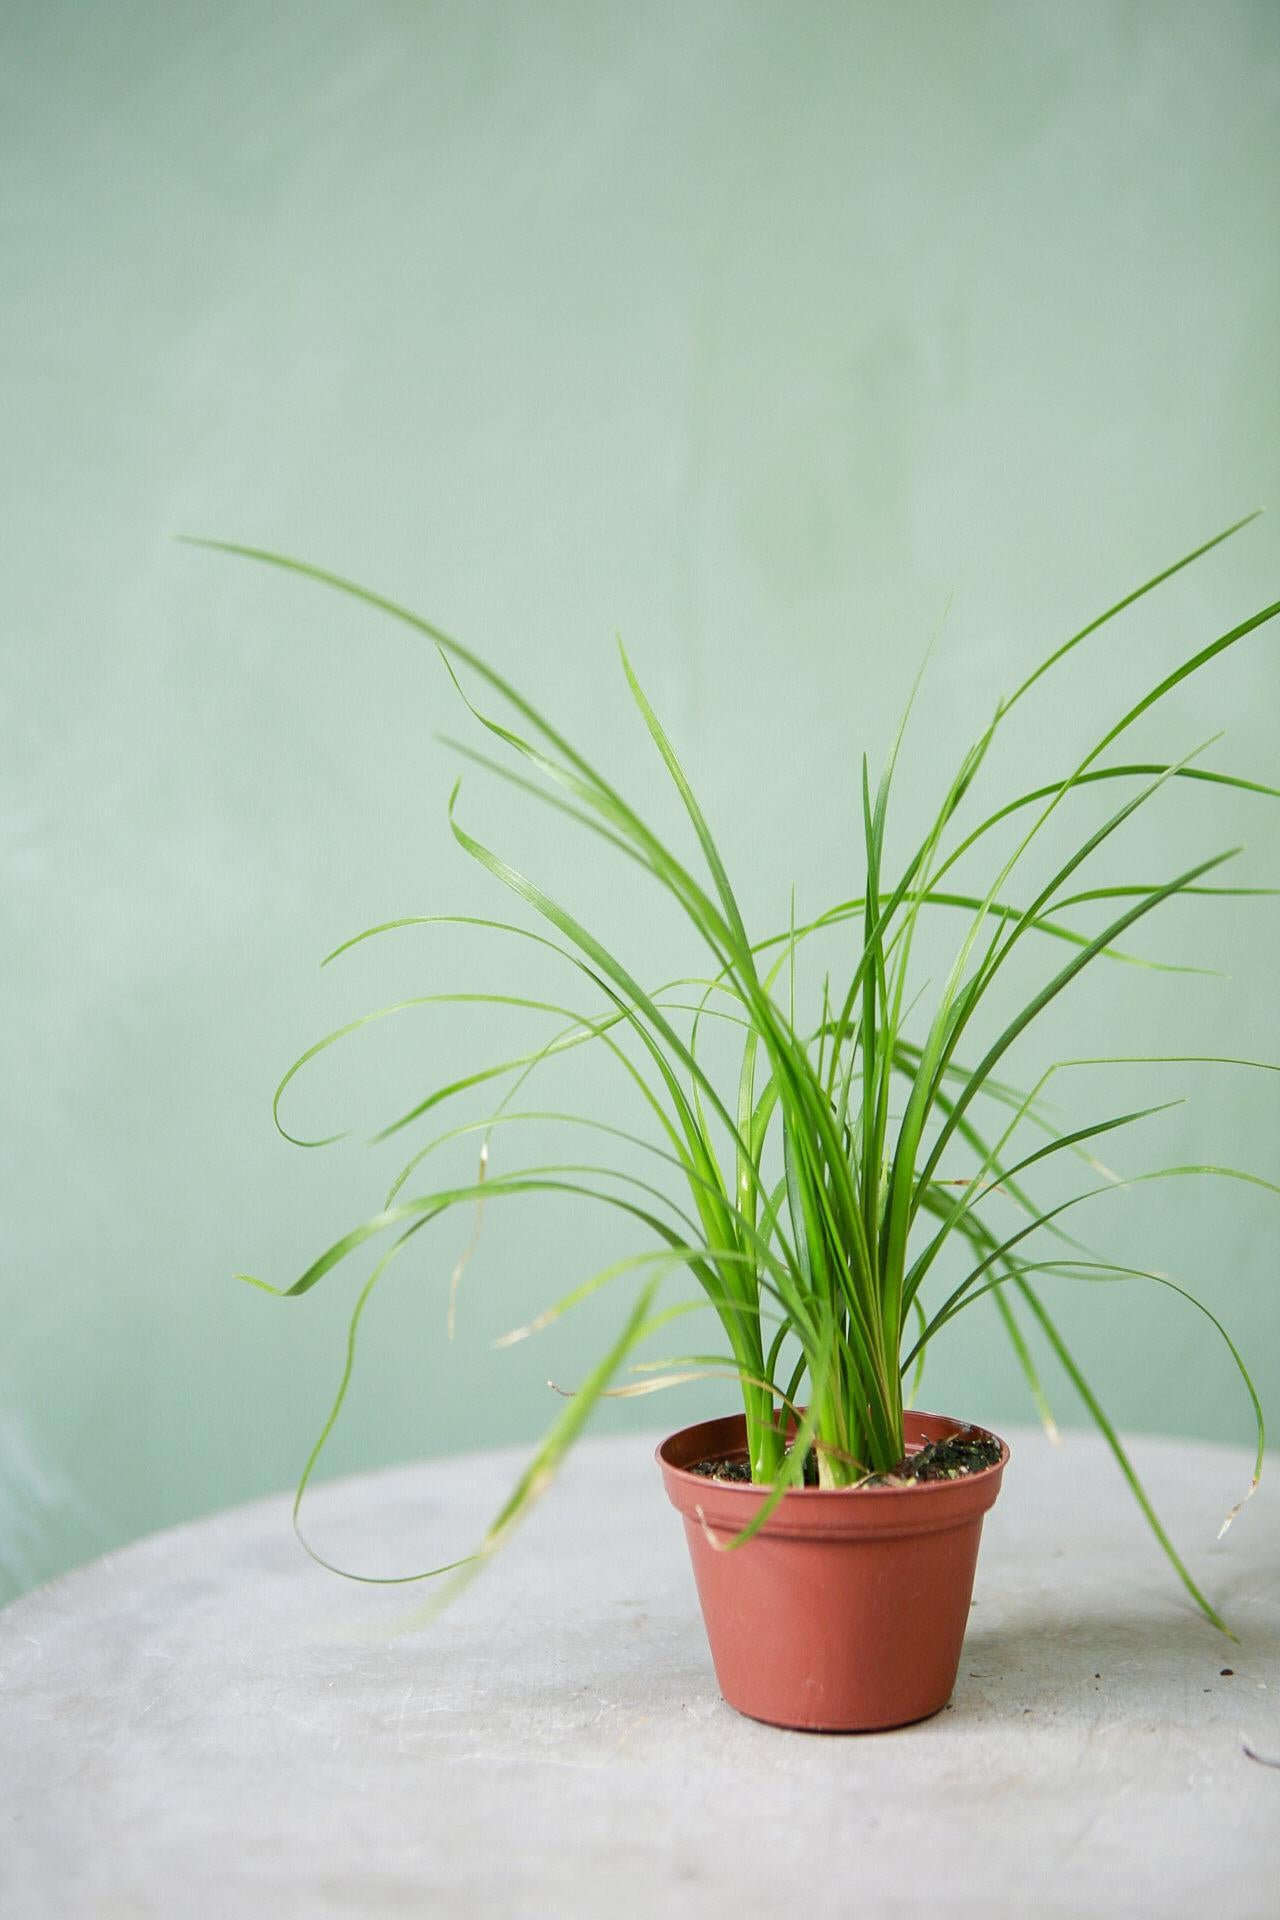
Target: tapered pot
[(847, 1611)]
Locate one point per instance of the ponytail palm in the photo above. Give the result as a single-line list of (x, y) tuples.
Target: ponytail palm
[(810, 1193)]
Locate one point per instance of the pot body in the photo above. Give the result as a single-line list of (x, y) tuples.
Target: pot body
[(847, 1611)]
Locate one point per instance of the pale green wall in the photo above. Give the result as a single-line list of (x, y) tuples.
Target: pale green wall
[(753, 331)]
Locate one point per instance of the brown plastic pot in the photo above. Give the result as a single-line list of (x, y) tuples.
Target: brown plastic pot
[(847, 1611)]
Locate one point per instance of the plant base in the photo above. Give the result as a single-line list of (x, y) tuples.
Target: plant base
[(847, 1611)]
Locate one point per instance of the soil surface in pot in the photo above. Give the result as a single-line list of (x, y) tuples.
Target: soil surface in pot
[(965, 1452)]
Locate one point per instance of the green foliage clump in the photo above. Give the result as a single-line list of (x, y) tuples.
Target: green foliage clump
[(814, 1205)]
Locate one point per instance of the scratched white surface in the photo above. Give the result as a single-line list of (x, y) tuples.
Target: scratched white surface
[(207, 1724)]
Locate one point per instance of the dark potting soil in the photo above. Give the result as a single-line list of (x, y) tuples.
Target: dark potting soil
[(967, 1451), (738, 1470)]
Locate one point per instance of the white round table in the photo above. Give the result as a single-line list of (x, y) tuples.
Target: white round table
[(205, 1723)]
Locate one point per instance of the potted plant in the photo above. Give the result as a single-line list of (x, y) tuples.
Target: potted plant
[(813, 1193)]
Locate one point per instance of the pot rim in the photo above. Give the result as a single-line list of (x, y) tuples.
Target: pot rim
[(756, 1492)]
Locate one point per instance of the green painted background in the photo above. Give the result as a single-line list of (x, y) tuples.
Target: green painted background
[(755, 332)]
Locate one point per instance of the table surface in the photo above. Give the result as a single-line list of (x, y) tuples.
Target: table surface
[(207, 1723)]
